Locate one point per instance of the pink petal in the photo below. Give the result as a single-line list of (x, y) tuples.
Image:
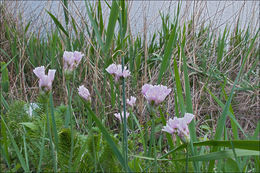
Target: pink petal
[(188, 118), (84, 92), (111, 69), (39, 71), (51, 74), (78, 56)]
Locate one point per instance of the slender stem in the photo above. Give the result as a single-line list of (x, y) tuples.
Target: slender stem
[(152, 138), (69, 117), (89, 120), (41, 151), (50, 137), (187, 158), (125, 121)]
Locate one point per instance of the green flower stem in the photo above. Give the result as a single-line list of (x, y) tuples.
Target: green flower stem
[(50, 136), (69, 121), (152, 137), (125, 122), (187, 157)]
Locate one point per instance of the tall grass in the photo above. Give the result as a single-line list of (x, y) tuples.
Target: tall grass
[(212, 75)]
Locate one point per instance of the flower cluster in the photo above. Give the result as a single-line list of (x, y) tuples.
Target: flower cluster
[(179, 126), (84, 93), (71, 60), (155, 94), (118, 116), (131, 102), (118, 71), (45, 81)]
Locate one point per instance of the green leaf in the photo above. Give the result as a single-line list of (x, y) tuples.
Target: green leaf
[(167, 55), (4, 77), (222, 119), (111, 26), (5, 104), (108, 139), (58, 24), (94, 25), (257, 131), (4, 144), (248, 145), (178, 87), (30, 125), (168, 136), (231, 166), (27, 26), (65, 9), (41, 150), (192, 126), (148, 158), (221, 155), (5, 157), (231, 116), (245, 144), (19, 155), (141, 131), (54, 128)]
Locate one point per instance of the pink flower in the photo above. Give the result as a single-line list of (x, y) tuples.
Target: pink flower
[(118, 116), (111, 69), (45, 81), (155, 94), (71, 60), (117, 71), (84, 93), (179, 126), (131, 102), (77, 57)]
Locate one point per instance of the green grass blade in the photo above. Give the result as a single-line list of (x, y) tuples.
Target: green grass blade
[(167, 55), (50, 138), (4, 78), (140, 129), (25, 150), (4, 144), (6, 64), (257, 131), (100, 17), (41, 151), (192, 126), (54, 128), (58, 24), (111, 26), (149, 158), (79, 156), (221, 155), (168, 136), (65, 9), (245, 144), (109, 139), (4, 102), (94, 25), (231, 116), (233, 124), (3, 153), (239, 144), (178, 87), (27, 27), (221, 46), (222, 119), (123, 19), (19, 155)]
